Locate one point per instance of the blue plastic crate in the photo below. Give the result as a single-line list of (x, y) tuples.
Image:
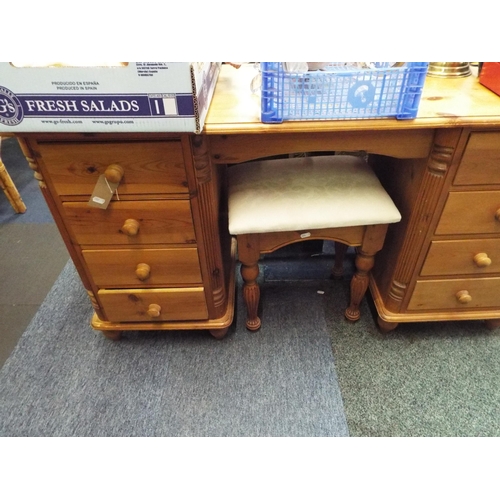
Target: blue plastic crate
[(341, 91)]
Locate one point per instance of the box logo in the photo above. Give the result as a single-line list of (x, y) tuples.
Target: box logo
[(11, 111), (361, 94)]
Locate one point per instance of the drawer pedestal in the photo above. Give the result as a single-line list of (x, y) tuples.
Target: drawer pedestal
[(456, 270), (155, 257)]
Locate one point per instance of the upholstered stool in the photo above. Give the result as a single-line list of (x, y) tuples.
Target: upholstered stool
[(273, 203)]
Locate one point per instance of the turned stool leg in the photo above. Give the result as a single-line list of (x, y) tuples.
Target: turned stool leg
[(249, 255), (251, 294), (359, 283), (338, 266)]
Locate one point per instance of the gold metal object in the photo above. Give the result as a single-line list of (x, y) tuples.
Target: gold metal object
[(449, 69)]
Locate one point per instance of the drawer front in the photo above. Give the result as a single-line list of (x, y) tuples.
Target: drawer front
[(149, 167), (134, 268), (444, 294), (462, 257), (481, 161), (172, 304), (471, 212), (159, 222)]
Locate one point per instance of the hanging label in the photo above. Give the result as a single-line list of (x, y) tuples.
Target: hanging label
[(103, 192)]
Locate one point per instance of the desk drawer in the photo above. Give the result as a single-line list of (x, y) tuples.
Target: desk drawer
[(471, 212), (159, 222), (444, 294), (462, 257), (171, 304), (149, 167), (145, 267), (481, 161)]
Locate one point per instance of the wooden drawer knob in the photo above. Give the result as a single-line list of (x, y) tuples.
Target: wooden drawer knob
[(154, 310), (482, 260), (114, 173), (463, 297), (130, 227), (497, 215), (143, 271)]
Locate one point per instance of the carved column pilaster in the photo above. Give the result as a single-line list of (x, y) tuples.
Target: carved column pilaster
[(438, 165), (208, 205), (202, 161)]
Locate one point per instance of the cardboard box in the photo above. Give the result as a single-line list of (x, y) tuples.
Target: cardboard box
[(126, 97)]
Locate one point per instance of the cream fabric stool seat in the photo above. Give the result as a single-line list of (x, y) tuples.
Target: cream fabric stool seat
[(273, 203)]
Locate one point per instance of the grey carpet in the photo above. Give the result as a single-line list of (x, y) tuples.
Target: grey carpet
[(422, 379), (64, 379)]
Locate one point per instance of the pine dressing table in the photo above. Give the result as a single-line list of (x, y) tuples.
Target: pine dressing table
[(161, 259)]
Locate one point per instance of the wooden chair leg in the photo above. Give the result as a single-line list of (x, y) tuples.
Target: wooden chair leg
[(10, 190), (248, 254), (251, 294), (373, 241), (338, 266), (359, 283)]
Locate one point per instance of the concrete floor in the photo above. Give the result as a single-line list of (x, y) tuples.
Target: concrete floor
[(32, 253), (32, 257)]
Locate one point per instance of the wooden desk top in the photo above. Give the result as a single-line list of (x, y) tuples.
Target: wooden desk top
[(445, 102)]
